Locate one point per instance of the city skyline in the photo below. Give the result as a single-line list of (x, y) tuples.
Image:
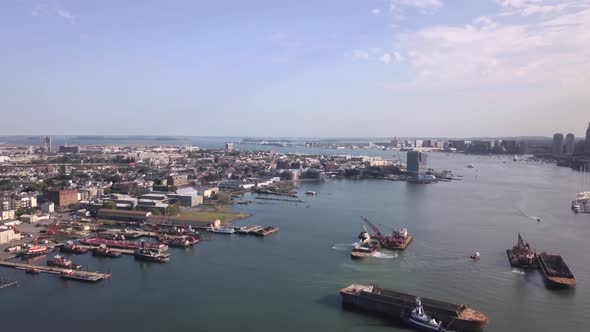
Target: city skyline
[(412, 68)]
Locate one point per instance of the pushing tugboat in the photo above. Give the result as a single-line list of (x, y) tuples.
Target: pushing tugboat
[(419, 320), (365, 247), (521, 255), (396, 305)]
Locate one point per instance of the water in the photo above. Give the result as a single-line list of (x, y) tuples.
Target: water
[(290, 280)]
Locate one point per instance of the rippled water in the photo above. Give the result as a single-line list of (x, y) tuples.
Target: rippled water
[(290, 281)]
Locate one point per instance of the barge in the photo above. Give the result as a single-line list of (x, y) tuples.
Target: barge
[(181, 241), (397, 305), (72, 248), (555, 271), (521, 255), (58, 261), (34, 251), (266, 231), (93, 241), (103, 251), (151, 255), (397, 240)]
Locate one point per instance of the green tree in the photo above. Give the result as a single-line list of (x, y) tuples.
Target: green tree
[(173, 210), (109, 205), (156, 212)]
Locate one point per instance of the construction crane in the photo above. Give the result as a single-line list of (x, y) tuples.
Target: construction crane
[(373, 227)]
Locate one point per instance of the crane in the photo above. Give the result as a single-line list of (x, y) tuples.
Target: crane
[(372, 227)]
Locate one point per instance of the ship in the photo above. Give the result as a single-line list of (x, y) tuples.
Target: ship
[(397, 305), (151, 255), (366, 246), (103, 251), (397, 240), (58, 261), (178, 241), (72, 248), (556, 273), (34, 251), (521, 255)]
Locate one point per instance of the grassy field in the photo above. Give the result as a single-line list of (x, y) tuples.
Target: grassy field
[(223, 215)]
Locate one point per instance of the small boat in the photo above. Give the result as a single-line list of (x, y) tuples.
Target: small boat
[(576, 206), (70, 247), (419, 320), (311, 193), (103, 251), (58, 261), (222, 230), (32, 270), (470, 166), (475, 255)]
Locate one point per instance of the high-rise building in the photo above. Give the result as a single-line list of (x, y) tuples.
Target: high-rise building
[(569, 143), (416, 162), (229, 147), (557, 144), (47, 144), (587, 142)]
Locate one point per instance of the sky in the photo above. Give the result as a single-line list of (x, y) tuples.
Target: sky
[(372, 68)]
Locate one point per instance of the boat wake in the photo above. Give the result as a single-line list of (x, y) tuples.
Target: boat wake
[(385, 255), (530, 217), (344, 247), (517, 271)]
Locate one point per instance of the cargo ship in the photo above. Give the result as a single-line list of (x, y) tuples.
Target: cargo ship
[(93, 241), (521, 255), (72, 248), (556, 273), (366, 246), (397, 305), (34, 251), (58, 261), (103, 251)]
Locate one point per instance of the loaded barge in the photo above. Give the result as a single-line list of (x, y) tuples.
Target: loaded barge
[(556, 273), (93, 241), (397, 305)]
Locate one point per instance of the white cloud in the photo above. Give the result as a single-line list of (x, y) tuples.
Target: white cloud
[(386, 58), (421, 5), (397, 56), (360, 54), (552, 51), (65, 14), (376, 11)]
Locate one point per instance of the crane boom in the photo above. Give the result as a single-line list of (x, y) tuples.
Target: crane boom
[(372, 227)]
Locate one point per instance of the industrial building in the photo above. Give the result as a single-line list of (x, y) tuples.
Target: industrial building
[(123, 215)]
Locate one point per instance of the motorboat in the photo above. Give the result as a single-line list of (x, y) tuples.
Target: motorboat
[(475, 255)]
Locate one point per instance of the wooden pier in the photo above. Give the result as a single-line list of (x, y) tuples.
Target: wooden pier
[(66, 273)]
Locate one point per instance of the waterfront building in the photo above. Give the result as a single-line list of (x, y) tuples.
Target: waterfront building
[(416, 162), (569, 143), (557, 144), (587, 142)]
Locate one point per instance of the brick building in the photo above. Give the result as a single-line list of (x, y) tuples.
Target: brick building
[(64, 197)]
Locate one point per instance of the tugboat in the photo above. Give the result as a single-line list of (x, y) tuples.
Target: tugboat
[(521, 255), (58, 261), (150, 255), (32, 270), (419, 320), (70, 247), (34, 251), (103, 251), (366, 246)]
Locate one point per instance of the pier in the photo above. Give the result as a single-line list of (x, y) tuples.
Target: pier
[(76, 275)]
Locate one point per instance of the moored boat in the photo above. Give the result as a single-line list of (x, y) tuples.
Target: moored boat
[(266, 231), (34, 251), (32, 270), (521, 255), (70, 247), (556, 273), (103, 251), (395, 305), (59, 261), (222, 230), (151, 255)]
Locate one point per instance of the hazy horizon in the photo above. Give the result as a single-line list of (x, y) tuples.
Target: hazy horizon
[(328, 68)]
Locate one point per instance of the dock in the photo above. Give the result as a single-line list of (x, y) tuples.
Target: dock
[(281, 199), (65, 273)]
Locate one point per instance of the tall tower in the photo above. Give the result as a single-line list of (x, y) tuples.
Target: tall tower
[(557, 144), (47, 145), (587, 142), (569, 143)]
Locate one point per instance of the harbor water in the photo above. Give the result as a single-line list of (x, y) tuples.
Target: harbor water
[(289, 281)]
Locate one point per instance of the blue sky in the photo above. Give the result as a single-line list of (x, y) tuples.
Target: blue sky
[(295, 68)]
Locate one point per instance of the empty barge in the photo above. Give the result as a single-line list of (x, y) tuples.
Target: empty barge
[(395, 305), (556, 273)]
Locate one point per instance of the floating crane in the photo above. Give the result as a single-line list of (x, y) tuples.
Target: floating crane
[(397, 240)]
